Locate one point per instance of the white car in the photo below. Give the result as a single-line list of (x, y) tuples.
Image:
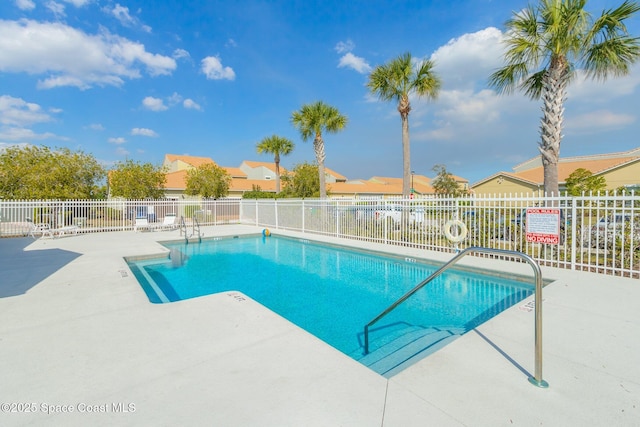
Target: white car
[(608, 228), (416, 215)]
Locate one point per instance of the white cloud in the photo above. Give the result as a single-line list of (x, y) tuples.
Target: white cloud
[(25, 4), (181, 53), (174, 99), (143, 132), (157, 104), (597, 120), (351, 61), (583, 89), (22, 134), (190, 104), (56, 8), (121, 13), (154, 104), (213, 69), (121, 151), (17, 112), (468, 61), (78, 3), (69, 57), (231, 43), (344, 47), (479, 107), (96, 126), (117, 140)]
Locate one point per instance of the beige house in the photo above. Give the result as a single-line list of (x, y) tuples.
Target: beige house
[(243, 178), (251, 175), (177, 167), (618, 169)]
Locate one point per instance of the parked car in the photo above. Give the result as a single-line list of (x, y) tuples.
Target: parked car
[(489, 222), (359, 212), (416, 214), (616, 226)]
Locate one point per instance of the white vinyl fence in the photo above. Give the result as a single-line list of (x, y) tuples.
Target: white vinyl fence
[(597, 233), (18, 217)]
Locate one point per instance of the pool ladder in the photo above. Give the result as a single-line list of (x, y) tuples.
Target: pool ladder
[(195, 229), (537, 378)]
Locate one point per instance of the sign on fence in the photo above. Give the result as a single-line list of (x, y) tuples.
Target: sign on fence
[(543, 225)]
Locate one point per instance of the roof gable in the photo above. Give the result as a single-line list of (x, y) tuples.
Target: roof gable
[(566, 168), (190, 160), (536, 162)]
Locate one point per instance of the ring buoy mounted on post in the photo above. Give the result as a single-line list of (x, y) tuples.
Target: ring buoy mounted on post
[(462, 234)]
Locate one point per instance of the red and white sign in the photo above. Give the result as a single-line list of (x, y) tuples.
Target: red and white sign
[(543, 225)]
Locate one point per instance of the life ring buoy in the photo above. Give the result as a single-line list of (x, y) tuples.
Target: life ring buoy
[(448, 226)]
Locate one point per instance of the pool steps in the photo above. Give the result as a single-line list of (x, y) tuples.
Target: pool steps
[(406, 347)]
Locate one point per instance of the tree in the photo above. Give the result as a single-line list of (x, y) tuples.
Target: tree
[(302, 181), (312, 120), (135, 180), (38, 172), (444, 183), (257, 193), (276, 145), (208, 180), (395, 81), (546, 45), (582, 181)]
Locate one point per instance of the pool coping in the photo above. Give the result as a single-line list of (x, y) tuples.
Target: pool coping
[(83, 334)]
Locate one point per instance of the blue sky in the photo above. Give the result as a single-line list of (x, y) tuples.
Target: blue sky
[(139, 79)]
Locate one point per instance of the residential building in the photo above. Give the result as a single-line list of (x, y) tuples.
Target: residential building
[(251, 175), (618, 169)]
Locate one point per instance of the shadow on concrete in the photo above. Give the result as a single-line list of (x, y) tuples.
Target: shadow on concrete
[(503, 353), (21, 270)]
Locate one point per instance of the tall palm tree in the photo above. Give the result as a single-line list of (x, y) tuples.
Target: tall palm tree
[(276, 145), (312, 120), (395, 81), (546, 44)]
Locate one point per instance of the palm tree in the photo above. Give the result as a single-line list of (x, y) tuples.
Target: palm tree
[(546, 44), (312, 120), (395, 81), (276, 145)]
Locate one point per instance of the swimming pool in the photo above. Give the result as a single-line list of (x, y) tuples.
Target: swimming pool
[(332, 292)]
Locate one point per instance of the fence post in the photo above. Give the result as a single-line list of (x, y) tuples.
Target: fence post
[(574, 235), (337, 214)]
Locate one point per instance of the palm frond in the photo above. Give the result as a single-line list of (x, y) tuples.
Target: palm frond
[(507, 78), (608, 47), (534, 84), (394, 80), (612, 57), (426, 82), (314, 119)]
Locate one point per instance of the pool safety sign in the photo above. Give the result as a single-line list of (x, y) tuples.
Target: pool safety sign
[(543, 225)]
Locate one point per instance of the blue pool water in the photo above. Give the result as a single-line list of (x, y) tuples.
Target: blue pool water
[(332, 292)]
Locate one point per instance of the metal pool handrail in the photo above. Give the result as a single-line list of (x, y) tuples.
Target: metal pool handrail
[(195, 222), (537, 378), (183, 228)]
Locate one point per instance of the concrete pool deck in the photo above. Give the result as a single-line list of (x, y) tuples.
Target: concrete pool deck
[(78, 334)]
